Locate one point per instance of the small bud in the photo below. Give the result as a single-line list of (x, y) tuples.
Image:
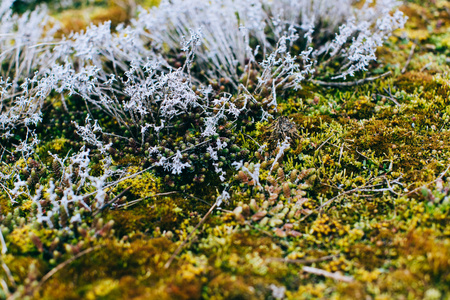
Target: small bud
[(263, 222), (274, 222), (246, 210), (253, 205), (280, 233), (259, 215), (294, 174), (280, 174), (258, 155), (242, 176)]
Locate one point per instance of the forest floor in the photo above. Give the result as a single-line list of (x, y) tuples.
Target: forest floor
[(357, 208)]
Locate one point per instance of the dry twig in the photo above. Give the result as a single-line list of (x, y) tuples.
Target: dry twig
[(303, 261), (427, 184), (426, 66), (112, 201), (409, 58), (350, 83), (390, 96), (368, 187), (178, 250), (133, 202), (63, 265), (321, 145), (336, 276), (9, 274)]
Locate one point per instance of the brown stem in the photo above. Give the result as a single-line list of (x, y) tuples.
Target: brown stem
[(63, 265), (303, 261), (336, 276), (409, 58), (350, 83), (178, 250), (111, 202)]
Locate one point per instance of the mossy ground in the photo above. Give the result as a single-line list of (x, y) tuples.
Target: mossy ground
[(373, 185)]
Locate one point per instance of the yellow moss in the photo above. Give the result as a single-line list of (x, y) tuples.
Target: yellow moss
[(142, 185), (308, 291), (442, 4), (257, 263), (419, 34), (116, 15), (26, 206), (19, 240), (102, 289), (325, 226), (149, 3), (58, 144), (368, 276), (72, 21), (261, 126), (5, 204), (446, 42), (193, 268)]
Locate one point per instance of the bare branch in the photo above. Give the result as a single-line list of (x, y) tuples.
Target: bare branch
[(63, 265), (112, 201), (409, 58), (336, 275), (350, 83), (303, 261), (178, 250), (427, 184)]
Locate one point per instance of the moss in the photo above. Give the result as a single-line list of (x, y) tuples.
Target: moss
[(142, 186), (364, 193), (5, 204), (20, 241), (115, 14)]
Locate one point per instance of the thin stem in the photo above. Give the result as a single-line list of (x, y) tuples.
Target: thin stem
[(350, 83), (178, 250), (336, 276), (303, 261), (409, 58), (63, 265)]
